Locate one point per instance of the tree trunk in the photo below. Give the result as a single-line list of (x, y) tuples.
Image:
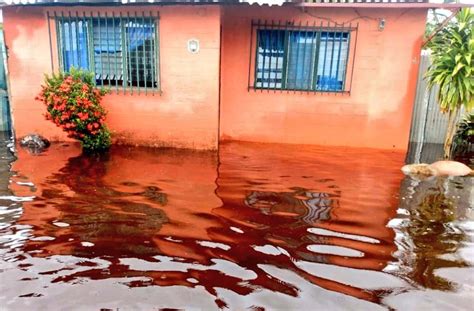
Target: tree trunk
[(448, 140)]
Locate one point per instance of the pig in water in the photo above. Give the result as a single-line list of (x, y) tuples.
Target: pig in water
[(440, 168)]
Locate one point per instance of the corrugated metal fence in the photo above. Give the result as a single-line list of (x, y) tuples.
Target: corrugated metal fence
[(429, 125)]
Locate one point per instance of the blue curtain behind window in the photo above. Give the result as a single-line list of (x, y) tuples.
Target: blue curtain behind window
[(138, 33), (75, 45), (107, 35), (332, 61), (302, 45)]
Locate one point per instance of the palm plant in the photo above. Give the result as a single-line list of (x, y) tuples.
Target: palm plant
[(452, 69)]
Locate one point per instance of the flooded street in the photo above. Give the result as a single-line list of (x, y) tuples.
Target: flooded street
[(257, 226)]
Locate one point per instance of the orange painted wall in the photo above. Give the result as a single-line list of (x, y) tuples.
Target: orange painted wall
[(184, 115), (378, 111)]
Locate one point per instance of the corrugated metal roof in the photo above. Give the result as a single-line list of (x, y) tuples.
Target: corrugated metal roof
[(316, 3), (422, 4), (261, 2), (365, 1), (114, 2)]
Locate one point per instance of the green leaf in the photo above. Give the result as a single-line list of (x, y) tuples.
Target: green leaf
[(457, 68)]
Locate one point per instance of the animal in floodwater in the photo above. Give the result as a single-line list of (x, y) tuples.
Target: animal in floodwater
[(439, 168)]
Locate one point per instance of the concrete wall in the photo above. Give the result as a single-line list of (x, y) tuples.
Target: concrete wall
[(378, 111), (184, 115)]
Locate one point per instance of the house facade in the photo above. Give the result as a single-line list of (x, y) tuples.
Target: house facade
[(193, 74)]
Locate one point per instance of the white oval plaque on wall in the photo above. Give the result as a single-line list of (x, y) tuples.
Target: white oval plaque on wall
[(193, 46)]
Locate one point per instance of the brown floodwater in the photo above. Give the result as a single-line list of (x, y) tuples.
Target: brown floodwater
[(255, 226)]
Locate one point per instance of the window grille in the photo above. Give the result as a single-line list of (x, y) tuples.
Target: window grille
[(301, 57), (122, 51)]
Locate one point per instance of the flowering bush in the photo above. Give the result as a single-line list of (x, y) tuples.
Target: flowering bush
[(73, 103)]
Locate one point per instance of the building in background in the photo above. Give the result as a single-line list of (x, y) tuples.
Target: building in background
[(196, 73)]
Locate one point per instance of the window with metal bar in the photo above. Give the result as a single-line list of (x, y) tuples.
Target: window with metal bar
[(121, 51), (301, 59)]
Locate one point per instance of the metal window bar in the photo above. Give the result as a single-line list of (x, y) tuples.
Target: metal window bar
[(257, 45), (77, 31), (135, 25), (305, 42), (129, 54), (116, 77), (326, 37), (59, 42), (353, 57), (344, 74), (90, 42), (296, 38), (331, 63), (286, 42), (108, 74), (315, 57), (124, 54), (153, 55), (68, 42), (158, 42), (264, 57), (98, 72), (120, 50), (144, 53), (314, 49), (50, 41), (270, 61), (277, 65), (339, 53)]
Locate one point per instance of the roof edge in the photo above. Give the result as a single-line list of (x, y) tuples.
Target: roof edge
[(4, 3), (392, 5)]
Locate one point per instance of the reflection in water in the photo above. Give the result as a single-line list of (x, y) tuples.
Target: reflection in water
[(306, 205), (434, 235), (259, 226)]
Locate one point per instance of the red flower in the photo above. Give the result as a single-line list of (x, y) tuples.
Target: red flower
[(84, 117), (73, 104), (87, 103)]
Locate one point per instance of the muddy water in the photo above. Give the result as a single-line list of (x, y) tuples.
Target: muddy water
[(254, 227)]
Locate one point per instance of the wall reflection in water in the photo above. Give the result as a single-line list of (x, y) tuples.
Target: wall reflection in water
[(434, 234), (254, 226)]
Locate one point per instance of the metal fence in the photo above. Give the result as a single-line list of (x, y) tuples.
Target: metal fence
[(429, 125)]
